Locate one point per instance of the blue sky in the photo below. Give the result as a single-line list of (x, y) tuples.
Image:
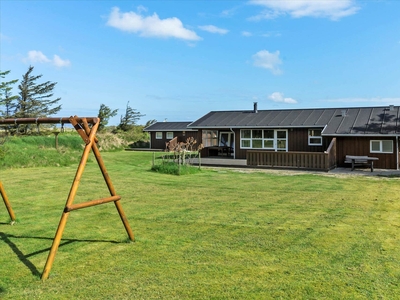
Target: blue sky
[(178, 60)]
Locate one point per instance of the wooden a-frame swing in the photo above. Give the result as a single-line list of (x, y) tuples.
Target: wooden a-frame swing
[(88, 134)]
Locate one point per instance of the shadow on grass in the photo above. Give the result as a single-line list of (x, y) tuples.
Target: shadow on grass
[(24, 257)]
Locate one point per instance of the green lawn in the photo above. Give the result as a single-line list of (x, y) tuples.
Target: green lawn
[(216, 234)]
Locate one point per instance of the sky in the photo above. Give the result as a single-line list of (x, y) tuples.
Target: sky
[(178, 60)]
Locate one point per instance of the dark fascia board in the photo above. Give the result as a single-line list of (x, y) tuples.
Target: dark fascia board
[(251, 127), (182, 129), (363, 135)]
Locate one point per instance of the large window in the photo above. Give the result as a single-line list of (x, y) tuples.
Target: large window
[(209, 138), (382, 146), (159, 135), (269, 139), (170, 135), (314, 137)]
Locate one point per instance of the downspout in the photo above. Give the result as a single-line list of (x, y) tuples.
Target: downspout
[(397, 152), (234, 142), (150, 138)]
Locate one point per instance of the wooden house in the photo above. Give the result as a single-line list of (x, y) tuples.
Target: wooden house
[(163, 132), (302, 138), (318, 138)]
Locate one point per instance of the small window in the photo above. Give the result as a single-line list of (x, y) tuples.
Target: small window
[(314, 137), (159, 135), (383, 146), (170, 135), (209, 138)]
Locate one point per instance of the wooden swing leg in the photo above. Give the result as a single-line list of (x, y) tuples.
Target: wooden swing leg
[(110, 186), (7, 203), (70, 200)]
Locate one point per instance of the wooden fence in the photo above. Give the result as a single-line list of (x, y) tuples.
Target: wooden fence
[(323, 161)]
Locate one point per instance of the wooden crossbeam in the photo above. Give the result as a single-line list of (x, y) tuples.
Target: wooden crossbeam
[(91, 203), (88, 135)]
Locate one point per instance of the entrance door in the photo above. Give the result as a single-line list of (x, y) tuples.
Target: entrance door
[(226, 139), (281, 140)]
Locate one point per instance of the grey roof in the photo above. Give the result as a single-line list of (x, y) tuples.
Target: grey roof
[(169, 126), (334, 121)]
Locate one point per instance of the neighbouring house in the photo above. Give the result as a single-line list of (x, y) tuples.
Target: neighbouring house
[(162, 133), (302, 138)]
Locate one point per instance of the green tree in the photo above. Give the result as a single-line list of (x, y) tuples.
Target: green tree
[(150, 122), (7, 101), (35, 98), (128, 121), (105, 113)]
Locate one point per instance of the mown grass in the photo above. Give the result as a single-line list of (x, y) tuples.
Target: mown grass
[(216, 234)]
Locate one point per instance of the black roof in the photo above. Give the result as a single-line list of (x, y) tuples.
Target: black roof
[(169, 126), (333, 121)]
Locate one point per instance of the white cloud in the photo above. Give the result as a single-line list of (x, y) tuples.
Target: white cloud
[(246, 33), (271, 34), (213, 29), (150, 26), (38, 57), (279, 97), (268, 60), (141, 9), (58, 62), (332, 9), (230, 12)]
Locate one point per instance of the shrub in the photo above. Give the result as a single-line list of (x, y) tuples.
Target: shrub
[(175, 169)]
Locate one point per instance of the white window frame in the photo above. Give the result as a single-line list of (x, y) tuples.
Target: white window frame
[(277, 141), (380, 143), (169, 135), (159, 135), (312, 136)]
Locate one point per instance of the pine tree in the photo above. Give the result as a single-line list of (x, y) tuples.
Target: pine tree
[(34, 99), (128, 121), (7, 101), (105, 113)]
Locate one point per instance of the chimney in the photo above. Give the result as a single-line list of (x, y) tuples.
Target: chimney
[(344, 112), (255, 108), (391, 107)]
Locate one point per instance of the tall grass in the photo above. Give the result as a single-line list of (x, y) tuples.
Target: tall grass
[(36, 151)]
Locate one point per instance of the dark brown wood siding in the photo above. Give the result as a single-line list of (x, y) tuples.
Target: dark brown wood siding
[(297, 141), (182, 136), (361, 146)]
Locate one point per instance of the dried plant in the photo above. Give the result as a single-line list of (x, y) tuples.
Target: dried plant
[(183, 152)]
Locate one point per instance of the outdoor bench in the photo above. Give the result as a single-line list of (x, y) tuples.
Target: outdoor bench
[(360, 161)]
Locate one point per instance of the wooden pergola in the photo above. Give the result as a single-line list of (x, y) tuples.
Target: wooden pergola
[(87, 129)]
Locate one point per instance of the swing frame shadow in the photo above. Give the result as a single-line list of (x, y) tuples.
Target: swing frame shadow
[(88, 135)]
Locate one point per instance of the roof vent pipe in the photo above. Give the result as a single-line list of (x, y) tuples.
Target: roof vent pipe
[(344, 112), (255, 108), (391, 107)]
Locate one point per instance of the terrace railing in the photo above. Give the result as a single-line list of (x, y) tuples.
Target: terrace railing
[(323, 161)]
